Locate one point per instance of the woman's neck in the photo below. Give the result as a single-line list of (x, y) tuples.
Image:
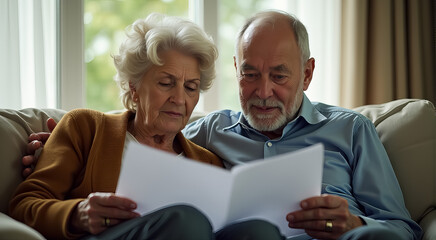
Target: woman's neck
[(150, 137)]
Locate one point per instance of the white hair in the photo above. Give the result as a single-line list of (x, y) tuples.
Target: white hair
[(147, 38), (296, 25)]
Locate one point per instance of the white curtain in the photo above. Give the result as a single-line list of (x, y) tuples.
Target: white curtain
[(28, 50), (322, 19)]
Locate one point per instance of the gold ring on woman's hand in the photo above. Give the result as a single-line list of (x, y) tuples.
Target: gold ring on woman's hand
[(328, 226), (106, 222)]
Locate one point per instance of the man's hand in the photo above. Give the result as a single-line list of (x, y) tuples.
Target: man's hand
[(100, 211), (35, 142), (324, 217)]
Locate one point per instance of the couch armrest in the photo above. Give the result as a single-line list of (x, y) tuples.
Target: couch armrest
[(428, 224), (12, 229)]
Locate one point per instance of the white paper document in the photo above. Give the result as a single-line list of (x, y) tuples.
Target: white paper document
[(261, 189)]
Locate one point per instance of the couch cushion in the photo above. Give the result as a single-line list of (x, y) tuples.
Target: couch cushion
[(15, 127), (12, 229), (407, 128)]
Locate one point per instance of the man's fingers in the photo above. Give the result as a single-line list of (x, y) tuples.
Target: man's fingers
[(313, 215), (316, 225), (40, 136), (33, 137), (51, 124), (27, 172), (323, 201), (28, 160), (33, 146), (320, 208)]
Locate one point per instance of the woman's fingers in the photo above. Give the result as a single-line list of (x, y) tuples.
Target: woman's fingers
[(102, 210)]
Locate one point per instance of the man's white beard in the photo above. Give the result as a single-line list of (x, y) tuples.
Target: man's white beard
[(268, 122)]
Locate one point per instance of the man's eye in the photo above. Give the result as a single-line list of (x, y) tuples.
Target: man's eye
[(250, 76), (279, 78)]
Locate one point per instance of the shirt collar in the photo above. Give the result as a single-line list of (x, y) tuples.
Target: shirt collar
[(310, 113), (307, 111)]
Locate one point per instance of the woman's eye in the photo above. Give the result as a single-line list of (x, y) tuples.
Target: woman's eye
[(192, 87), (165, 84)]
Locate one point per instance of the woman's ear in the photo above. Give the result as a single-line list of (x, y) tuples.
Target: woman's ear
[(133, 92)]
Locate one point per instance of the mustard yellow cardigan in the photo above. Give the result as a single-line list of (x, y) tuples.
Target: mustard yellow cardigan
[(83, 155)]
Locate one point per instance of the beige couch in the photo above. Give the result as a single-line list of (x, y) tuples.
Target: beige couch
[(406, 127)]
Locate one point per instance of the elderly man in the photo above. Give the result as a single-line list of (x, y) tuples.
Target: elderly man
[(361, 196)]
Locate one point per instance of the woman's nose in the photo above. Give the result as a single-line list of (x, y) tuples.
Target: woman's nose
[(178, 95)]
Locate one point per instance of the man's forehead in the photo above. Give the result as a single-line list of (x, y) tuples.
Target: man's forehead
[(280, 67), (268, 23)]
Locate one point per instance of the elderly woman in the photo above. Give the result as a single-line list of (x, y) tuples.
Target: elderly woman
[(161, 69)]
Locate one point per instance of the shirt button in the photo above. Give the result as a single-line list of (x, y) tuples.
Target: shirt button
[(269, 144)]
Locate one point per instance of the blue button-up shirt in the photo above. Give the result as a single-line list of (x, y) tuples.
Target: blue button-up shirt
[(356, 165)]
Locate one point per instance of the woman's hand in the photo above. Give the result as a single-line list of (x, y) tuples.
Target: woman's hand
[(324, 217), (100, 211)]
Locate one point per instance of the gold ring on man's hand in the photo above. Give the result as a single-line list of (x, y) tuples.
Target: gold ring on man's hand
[(328, 226)]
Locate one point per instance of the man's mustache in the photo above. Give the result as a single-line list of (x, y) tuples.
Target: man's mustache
[(269, 102)]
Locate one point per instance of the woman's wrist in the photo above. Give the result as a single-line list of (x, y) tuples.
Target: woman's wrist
[(74, 225)]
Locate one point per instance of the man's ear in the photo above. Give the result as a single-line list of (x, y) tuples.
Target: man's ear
[(309, 67)]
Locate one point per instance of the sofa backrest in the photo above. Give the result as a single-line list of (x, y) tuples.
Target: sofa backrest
[(407, 129), (15, 127)]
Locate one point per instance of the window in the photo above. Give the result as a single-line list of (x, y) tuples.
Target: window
[(104, 29), (89, 31)]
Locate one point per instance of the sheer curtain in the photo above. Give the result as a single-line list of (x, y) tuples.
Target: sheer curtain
[(27, 62), (322, 19)]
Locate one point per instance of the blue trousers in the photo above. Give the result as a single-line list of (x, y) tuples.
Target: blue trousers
[(185, 222)]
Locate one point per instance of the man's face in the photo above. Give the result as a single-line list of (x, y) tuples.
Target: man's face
[(271, 76)]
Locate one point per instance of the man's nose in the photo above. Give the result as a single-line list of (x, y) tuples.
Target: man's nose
[(264, 88)]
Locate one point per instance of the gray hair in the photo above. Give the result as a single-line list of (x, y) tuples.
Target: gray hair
[(297, 27), (148, 37)]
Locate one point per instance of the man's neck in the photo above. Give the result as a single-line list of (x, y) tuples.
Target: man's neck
[(274, 134)]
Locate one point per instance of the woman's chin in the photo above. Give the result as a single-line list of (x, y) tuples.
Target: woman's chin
[(171, 127)]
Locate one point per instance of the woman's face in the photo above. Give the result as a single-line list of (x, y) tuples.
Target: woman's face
[(168, 94)]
